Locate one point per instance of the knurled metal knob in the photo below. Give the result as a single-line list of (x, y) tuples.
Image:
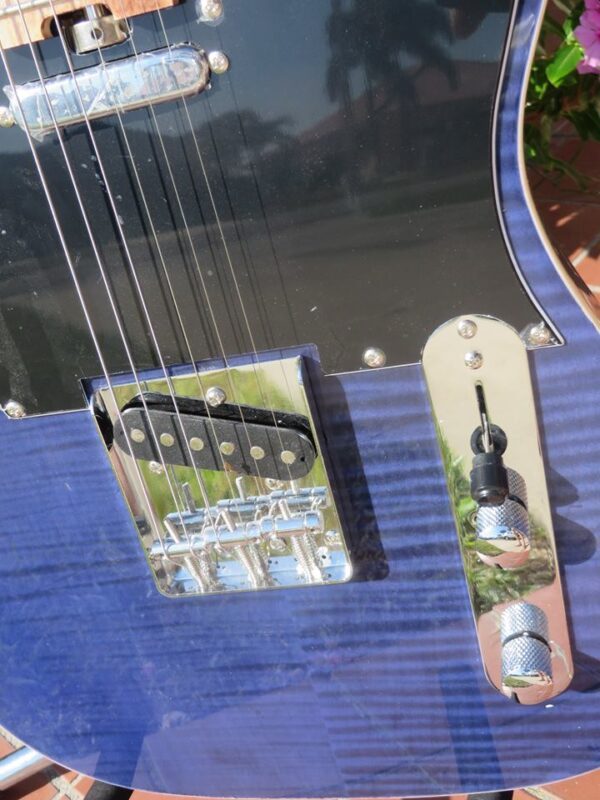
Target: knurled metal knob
[(502, 534), (526, 655)]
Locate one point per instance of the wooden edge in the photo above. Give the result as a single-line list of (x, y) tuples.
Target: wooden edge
[(13, 32)]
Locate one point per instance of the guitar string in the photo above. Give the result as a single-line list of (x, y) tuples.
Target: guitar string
[(230, 373), (199, 480), (261, 386), (165, 270), (98, 259), (71, 265)]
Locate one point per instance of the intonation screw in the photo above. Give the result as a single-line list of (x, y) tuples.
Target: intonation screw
[(211, 10), (473, 359), (374, 357), (219, 62), (466, 328), (215, 396), (539, 334), (7, 119), (14, 410)]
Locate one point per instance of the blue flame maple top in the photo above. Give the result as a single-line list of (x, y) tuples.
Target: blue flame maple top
[(370, 688)]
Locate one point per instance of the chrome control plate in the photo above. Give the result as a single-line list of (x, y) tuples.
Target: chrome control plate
[(213, 531), (508, 550)]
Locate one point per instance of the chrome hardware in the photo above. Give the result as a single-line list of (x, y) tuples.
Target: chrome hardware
[(215, 396), (21, 764), (121, 85), (219, 62), (526, 653), (466, 328), (14, 410), (506, 538), (502, 534), (473, 359), (210, 11), (537, 335), (374, 357), (97, 28), (254, 532), (7, 118)]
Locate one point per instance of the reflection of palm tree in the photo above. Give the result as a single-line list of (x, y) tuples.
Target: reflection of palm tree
[(376, 35)]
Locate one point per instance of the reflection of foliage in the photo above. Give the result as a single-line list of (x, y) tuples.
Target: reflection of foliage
[(491, 586), (373, 35), (558, 93)]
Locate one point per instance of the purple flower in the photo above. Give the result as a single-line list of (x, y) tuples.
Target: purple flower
[(588, 35)]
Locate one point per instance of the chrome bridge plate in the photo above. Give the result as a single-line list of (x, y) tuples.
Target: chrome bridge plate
[(221, 530)]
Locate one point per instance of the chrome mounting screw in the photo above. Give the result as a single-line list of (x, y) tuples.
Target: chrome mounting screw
[(539, 335), (156, 468), (15, 410), (466, 328), (219, 62), (473, 359), (7, 119), (374, 357), (211, 10), (215, 396)]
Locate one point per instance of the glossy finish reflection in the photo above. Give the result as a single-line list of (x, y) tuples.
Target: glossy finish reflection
[(381, 677), (349, 166)]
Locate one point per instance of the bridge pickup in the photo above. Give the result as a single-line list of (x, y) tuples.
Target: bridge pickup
[(186, 433)]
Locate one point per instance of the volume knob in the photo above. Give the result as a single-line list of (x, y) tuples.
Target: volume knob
[(502, 531)]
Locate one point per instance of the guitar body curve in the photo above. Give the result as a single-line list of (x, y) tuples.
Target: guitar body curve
[(369, 688)]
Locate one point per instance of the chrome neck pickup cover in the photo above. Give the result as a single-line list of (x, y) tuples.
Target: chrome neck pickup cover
[(479, 383), (233, 496), (107, 88)]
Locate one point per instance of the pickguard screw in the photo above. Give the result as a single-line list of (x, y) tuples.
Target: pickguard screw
[(215, 396), (539, 334), (7, 119), (15, 410), (473, 360), (156, 468), (219, 62), (137, 435), (467, 328), (374, 357), (211, 10)]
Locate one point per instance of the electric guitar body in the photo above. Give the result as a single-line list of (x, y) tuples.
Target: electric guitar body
[(271, 288)]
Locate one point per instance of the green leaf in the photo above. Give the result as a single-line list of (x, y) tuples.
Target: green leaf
[(564, 62)]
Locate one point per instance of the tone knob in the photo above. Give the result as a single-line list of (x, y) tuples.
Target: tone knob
[(526, 655)]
